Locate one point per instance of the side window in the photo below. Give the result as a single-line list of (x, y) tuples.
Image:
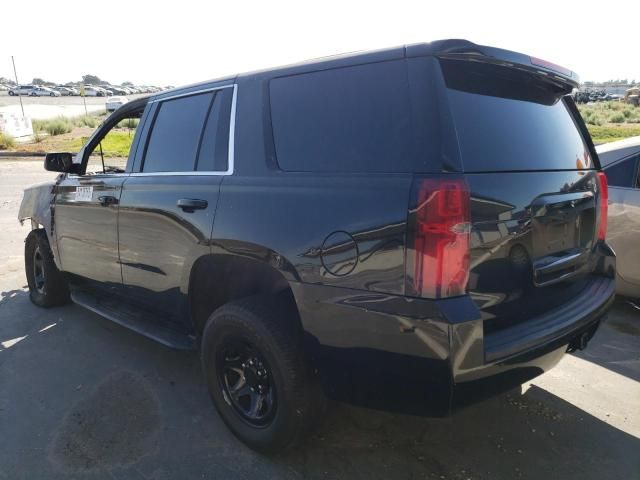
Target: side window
[(191, 133), (112, 153), (175, 136), (214, 148), (621, 174), (351, 119)]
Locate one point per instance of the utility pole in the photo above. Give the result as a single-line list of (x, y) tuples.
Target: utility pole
[(17, 85)]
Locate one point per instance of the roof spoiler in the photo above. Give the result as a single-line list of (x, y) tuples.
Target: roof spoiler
[(464, 49)]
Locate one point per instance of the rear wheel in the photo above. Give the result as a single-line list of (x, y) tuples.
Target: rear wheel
[(47, 286), (257, 374)]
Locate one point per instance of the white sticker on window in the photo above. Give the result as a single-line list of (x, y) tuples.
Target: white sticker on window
[(84, 194)]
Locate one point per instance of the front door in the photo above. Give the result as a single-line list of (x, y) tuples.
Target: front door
[(86, 226), (85, 219)]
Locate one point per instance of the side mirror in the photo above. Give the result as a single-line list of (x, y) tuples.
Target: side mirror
[(59, 162)]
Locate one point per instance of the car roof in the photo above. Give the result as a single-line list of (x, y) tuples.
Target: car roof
[(609, 153), (450, 47)]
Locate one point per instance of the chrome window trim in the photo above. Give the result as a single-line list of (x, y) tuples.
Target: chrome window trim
[(232, 134), (231, 146)]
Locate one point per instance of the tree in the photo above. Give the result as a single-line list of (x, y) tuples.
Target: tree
[(40, 81), (91, 80)]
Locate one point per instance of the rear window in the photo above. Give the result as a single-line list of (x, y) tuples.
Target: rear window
[(509, 120), (622, 174), (352, 119)]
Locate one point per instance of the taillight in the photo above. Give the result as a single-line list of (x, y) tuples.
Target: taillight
[(440, 237), (604, 205)]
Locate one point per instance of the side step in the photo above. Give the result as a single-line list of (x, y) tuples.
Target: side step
[(135, 319)]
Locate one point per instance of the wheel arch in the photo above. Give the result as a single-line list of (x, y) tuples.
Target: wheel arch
[(217, 279)]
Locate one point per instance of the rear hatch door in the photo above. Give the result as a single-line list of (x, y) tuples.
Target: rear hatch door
[(532, 174)]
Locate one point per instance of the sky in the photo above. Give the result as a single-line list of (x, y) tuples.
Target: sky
[(186, 41)]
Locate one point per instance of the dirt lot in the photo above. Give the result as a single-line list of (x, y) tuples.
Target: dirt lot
[(50, 107), (83, 398)]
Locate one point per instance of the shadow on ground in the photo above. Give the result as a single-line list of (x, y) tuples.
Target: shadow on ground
[(81, 397), (618, 343)]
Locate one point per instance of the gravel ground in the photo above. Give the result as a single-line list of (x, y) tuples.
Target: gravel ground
[(83, 398)]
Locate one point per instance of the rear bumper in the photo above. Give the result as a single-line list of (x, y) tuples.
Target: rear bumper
[(427, 357)]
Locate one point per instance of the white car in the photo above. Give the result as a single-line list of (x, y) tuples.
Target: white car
[(43, 92), (21, 90), (113, 103), (93, 92)]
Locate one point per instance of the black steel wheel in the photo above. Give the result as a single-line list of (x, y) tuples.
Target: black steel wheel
[(38, 270), (246, 381), (47, 286), (257, 373)]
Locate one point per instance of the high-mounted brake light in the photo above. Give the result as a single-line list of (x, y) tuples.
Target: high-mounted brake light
[(550, 66), (441, 237), (604, 205)]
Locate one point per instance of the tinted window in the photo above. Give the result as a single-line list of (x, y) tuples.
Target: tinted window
[(214, 149), (510, 120), (353, 119), (176, 132), (622, 173)]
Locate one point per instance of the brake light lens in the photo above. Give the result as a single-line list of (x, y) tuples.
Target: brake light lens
[(551, 66), (604, 205), (441, 237)]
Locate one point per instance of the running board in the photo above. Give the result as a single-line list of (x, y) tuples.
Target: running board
[(134, 319)]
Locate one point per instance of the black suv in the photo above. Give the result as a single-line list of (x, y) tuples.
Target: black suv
[(406, 229)]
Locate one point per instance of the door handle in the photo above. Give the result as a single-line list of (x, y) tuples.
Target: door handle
[(192, 204), (106, 200)]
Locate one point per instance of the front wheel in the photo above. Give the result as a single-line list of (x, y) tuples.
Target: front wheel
[(47, 286), (257, 374)]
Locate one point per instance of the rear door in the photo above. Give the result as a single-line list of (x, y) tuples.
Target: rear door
[(534, 189), (168, 204)]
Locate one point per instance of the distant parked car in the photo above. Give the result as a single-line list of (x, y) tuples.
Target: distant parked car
[(113, 103), (43, 92), (21, 90), (621, 162), (114, 90), (90, 91), (64, 91), (3, 88)]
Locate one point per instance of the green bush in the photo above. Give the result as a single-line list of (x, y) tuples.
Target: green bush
[(86, 121), (128, 123), (56, 126), (617, 118), (6, 141)]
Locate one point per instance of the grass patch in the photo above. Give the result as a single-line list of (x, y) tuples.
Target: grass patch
[(115, 144), (55, 126), (128, 123), (609, 112), (62, 125), (611, 133), (6, 141)]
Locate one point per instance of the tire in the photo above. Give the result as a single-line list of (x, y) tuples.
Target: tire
[(292, 398), (52, 94), (11, 94), (47, 286)]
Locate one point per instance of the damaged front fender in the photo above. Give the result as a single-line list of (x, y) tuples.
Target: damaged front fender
[(38, 205)]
